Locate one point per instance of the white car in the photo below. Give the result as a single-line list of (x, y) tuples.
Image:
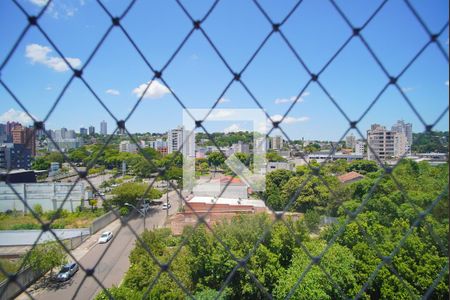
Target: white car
[(105, 237), (166, 206)]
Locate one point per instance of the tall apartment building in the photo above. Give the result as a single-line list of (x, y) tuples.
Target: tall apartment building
[(15, 156), (180, 137), (103, 128), (406, 129), (91, 130), (276, 142), (83, 131), (386, 144), (24, 136), (350, 141)]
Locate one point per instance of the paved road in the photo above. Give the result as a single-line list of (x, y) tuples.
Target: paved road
[(114, 263)]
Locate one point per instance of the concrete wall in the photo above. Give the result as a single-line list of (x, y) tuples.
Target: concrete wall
[(9, 290), (26, 277), (103, 221), (49, 195)]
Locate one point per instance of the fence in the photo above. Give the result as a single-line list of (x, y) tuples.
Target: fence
[(391, 79)]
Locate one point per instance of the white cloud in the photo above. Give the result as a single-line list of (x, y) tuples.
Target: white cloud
[(292, 99), (218, 115), (112, 92), (155, 91), (288, 119), (408, 89), (232, 128), (446, 83), (41, 54), (48, 88), (224, 100), (16, 116), (39, 2)]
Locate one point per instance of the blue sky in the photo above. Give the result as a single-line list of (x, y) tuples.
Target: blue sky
[(36, 74)]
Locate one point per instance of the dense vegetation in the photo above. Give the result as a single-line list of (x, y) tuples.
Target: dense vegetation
[(435, 141), (384, 240)]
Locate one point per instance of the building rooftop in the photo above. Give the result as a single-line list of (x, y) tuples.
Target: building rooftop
[(351, 176), (228, 201)]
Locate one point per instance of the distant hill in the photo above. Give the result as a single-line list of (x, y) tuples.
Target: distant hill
[(435, 141)]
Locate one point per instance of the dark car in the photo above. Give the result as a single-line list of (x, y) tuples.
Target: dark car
[(67, 272)]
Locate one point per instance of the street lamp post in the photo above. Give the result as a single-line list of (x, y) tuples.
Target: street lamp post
[(143, 214)]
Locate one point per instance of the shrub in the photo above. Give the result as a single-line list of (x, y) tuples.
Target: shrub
[(26, 226), (37, 208), (124, 211)]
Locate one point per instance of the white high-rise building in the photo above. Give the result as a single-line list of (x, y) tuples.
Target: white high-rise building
[(180, 137), (406, 129), (350, 141), (126, 146), (103, 128), (359, 148), (386, 144)]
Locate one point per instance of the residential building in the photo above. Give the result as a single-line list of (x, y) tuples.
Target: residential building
[(350, 141), (406, 129), (70, 134), (3, 134), (103, 128), (10, 126), (24, 136), (83, 131), (65, 144), (179, 137), (276, 142), (241, 147), (126, 146), (385, 144), (359, 148), (15, 156), (91, 130)]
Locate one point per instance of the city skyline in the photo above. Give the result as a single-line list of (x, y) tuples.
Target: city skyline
[(275, 77)]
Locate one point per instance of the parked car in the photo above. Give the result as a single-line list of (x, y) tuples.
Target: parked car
[(166, 206), (105, 237), (67, 272)]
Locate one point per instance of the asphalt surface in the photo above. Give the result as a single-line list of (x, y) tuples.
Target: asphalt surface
[(112, 266)]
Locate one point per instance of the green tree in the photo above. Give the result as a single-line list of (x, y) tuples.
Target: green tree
[(338, 262), (40, 163), (216, 159), (363, 166), (46, 256), (131, 192)]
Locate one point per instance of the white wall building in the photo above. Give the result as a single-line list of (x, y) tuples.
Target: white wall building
[(350, 141), (241, 147), (126, 146), (359, 147), (385, 144), (406, 129), (179, 137), (103, 128)]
